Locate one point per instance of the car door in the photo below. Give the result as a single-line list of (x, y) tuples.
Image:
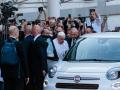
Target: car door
[(52, 57)]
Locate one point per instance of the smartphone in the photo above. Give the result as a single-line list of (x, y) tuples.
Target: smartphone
[(61, 18), (69, 15), (92, 10), (20, 14), (40, 9), (47, 22), (83, 19)]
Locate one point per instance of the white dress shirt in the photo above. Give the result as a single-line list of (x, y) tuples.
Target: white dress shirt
[(96, 24), (61, 49), (36, 37)]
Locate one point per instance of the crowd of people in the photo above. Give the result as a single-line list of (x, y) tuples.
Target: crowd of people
[(29, 61)]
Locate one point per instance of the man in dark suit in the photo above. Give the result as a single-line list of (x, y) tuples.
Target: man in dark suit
[(74, 35), (38, 65), (27, 41), (14, 74), (27, 44)]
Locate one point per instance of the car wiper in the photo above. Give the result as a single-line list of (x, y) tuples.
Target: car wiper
[(90, 60), (98, 60), (83, 60)]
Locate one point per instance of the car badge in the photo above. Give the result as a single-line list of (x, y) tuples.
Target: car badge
[(77, 78)]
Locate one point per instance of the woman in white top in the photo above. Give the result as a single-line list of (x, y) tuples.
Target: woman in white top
[(61, 45)]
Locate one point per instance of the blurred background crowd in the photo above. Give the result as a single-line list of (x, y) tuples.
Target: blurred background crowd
[(59, 33)]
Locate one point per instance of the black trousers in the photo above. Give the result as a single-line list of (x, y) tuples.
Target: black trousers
[(36, 83), (28, 86), (1, 85), (13, 83)]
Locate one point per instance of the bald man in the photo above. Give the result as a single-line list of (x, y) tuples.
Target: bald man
[(74, 35), (38, 56), (61, 45), (13, 63)]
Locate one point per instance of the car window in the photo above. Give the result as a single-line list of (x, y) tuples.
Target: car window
[(71, 55), (96, 48), (50, 49)]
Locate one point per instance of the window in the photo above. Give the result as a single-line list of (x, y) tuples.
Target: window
[(103, 49)]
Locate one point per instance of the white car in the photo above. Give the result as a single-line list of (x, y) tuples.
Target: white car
[(93, 63)]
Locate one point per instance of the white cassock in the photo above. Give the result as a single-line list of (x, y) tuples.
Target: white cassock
[(61, 49)]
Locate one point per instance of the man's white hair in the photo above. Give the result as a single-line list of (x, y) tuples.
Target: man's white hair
[(12, 29), (61, 34)]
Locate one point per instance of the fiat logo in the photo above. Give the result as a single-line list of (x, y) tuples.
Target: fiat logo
[(77, 78)]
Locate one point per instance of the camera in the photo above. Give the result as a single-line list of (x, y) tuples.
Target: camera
[(7, 9), (22, 20), (83, 19), (37, 22), (69, 16), (61, 18), (29, 23), (12, 20), (20, 14), (40, 9), (92, 10)]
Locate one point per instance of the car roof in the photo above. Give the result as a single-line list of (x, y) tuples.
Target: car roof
[(103, 35)]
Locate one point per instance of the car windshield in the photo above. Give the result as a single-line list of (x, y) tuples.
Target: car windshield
[(89, 49)]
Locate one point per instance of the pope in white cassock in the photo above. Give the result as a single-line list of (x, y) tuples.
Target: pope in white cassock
[(61, 45)]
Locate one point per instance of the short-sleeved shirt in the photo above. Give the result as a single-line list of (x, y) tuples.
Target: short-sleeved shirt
[(96, 24)]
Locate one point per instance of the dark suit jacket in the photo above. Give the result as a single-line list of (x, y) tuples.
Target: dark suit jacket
[(27, 45), (21, 35), (38, 57), (69, 40), (21, 68)]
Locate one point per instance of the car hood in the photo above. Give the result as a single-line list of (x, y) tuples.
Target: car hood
[(75, 67)]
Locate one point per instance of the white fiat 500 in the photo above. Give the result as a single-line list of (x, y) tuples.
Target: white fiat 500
[(93, 63)]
